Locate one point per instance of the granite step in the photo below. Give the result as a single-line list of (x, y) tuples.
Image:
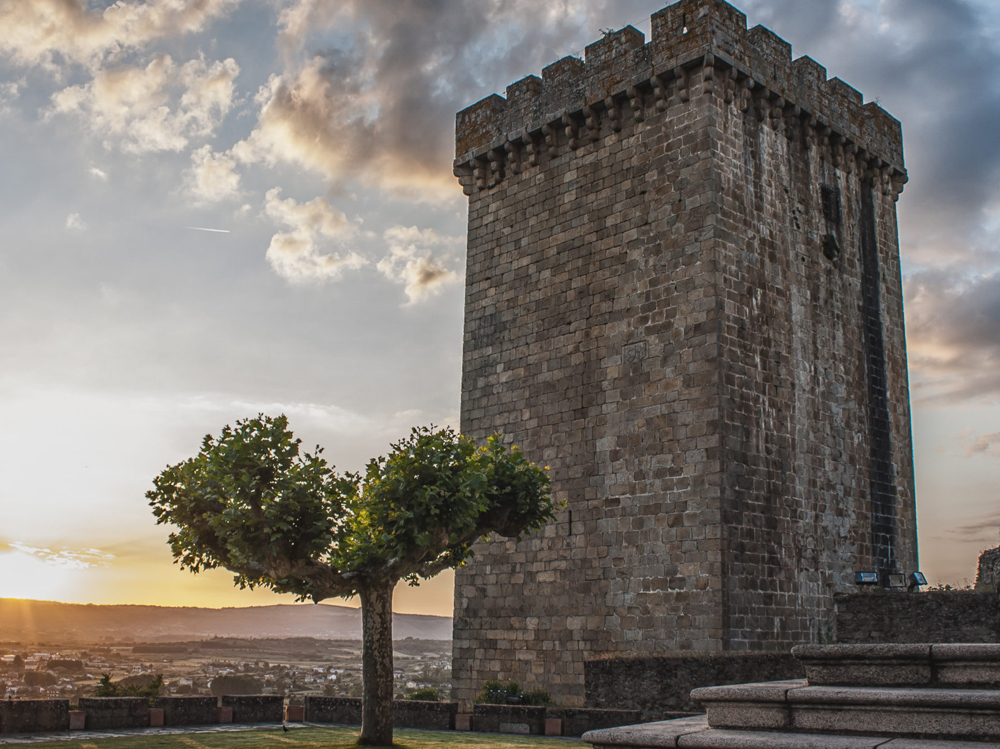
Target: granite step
[(954, 666), (957, 714), (695, 733)]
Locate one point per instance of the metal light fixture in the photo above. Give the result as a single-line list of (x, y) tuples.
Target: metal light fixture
[(916, 579), (866, 578)]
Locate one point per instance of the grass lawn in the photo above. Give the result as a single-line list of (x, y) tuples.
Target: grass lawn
[(308, 738)]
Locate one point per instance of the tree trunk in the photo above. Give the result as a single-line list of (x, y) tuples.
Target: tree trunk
[(376, 664)]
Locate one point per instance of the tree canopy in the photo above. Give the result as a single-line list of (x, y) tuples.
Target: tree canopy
[(254, 503)]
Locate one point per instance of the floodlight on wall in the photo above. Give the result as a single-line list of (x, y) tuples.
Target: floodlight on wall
[(866, 578), (916, 579)]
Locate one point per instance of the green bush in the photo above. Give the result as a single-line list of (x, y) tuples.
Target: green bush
[(495, 692), (426, 694), (536, 696)]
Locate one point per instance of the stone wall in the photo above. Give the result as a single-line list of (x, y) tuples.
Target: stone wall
[(988, 574), (432, 716), (660, 686), (683, 296), (115, 712), (509, 719), (33, 716), (187, 711), (266, 708), (342, 710), (945, 616)]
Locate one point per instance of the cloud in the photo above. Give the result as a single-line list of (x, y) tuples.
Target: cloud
[(983, 444), (73, 221), (50, 32), (99, 173), (296, 255), (9, 93), (953, 334), (213, 176), (155, 108), (75, 560), (411, 260), (380, 106), (982, 530)]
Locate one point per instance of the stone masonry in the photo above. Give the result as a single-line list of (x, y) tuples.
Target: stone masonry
[(683, 296)]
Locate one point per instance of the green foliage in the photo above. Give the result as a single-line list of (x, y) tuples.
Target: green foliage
[(536, 696), (426, 694), (495, 692), (150, 690), (39, 679), (235, 684), (252, 503)]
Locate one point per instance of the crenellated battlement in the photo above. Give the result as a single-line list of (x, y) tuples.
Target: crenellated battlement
[(698, 47)]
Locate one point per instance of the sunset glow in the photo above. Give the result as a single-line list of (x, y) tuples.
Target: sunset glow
[(216, 209)]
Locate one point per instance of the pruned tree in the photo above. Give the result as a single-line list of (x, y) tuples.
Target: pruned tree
[(253, 503)]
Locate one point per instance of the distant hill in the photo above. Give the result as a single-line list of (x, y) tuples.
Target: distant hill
[(50, 620)]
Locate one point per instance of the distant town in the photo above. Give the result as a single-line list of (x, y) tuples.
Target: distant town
[(293, 667)]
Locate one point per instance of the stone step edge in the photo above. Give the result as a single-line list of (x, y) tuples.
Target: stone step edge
[(889, 664), (800, 692), (695, 733)]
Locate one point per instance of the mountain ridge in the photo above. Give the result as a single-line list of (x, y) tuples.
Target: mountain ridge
[(89, 622)]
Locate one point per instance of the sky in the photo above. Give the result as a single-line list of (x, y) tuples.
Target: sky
[(211, 209)]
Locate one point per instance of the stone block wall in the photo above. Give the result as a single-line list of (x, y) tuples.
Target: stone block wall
[(660, 686), (683, 297), (343, 710), (935, 616), (115, 712), (265, 708), (509, 719), (187, 711), (34, 716), (432, 716)]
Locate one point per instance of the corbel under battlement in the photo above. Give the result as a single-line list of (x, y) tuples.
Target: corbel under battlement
[(624, 77)]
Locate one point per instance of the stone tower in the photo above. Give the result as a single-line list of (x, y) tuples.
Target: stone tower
[(683, 296)]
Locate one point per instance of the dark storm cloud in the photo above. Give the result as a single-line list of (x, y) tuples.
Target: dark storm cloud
[(930, 63), (381, 107)]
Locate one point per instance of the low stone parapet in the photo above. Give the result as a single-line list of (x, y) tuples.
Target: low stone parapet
[(342, 710), (521, 719), (34, 716), (187, 711), (435, 716), (256, 708), (115, 712)]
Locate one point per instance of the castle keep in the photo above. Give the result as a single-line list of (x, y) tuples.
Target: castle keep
[(683, 296)]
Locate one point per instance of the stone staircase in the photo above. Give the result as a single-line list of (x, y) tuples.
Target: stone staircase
[(853, 697)]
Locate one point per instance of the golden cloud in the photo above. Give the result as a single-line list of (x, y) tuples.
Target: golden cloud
[(45, 32)]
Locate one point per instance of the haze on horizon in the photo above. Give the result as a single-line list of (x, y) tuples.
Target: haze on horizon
[(215, 209)]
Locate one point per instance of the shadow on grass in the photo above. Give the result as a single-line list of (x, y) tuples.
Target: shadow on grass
[(303, 738)]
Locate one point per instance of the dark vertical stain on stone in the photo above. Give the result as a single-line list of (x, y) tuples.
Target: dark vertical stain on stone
[(883, 487)]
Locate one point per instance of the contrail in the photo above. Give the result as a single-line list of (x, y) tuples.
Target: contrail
[(202, 228)]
